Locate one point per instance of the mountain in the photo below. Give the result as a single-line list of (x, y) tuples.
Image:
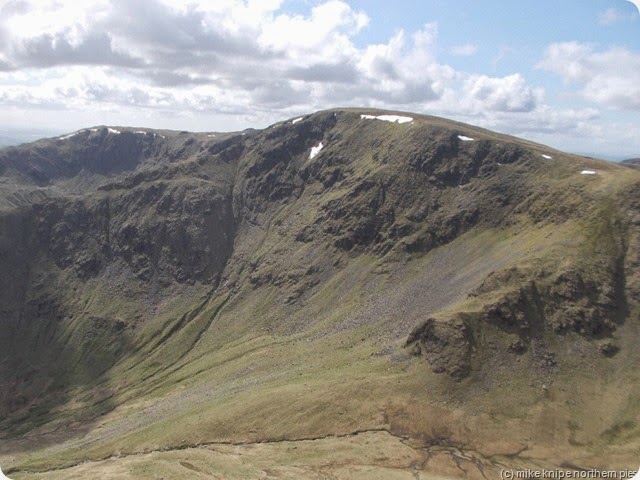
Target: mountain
[(349, 294), (635, 162)]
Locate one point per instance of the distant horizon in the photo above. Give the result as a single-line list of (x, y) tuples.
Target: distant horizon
[(14, 137), (562, 74)]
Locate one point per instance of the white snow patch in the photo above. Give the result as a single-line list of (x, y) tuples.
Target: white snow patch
[(388, 118), (211, 135), (293, 122), (66, 137), (94, 130), (466, 139), (140, 132), (113, 130), (588, 172), (315, 150), (548, 157)]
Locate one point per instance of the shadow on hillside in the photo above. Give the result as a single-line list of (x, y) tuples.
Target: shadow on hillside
[(54, 375)]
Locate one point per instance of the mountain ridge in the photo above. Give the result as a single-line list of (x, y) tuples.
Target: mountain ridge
[(461, 266)]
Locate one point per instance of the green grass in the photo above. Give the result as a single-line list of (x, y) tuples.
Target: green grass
[(300, 340)]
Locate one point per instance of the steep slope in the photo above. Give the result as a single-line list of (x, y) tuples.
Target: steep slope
[(472, 295)]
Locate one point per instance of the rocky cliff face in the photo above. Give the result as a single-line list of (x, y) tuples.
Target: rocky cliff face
[(120, 248), (117, 214)]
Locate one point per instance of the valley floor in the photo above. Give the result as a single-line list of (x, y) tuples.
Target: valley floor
[(375, 454)]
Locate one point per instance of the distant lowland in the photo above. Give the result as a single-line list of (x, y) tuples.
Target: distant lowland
[(10, 137)]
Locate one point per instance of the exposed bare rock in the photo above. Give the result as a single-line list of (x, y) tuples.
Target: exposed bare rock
[(446, 344)]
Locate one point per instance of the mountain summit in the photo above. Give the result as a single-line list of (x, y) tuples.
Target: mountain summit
[(352, 292)]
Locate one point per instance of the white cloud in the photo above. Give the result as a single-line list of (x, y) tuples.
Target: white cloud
[(466, 50), (610, 78), (506, 94), (612, 16), (329, 26), (609, 17), (250, 63), (403, 71), (139, 51)]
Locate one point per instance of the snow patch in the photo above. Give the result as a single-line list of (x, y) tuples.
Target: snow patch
[(94, 130), (113, 130), (548, 157), (466, 139), (211, 135), (293, 122), (588, 172), (315, 150), (66, 137), (140, 132), (388, 118)]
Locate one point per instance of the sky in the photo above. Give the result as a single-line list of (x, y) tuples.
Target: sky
[(564, 73)]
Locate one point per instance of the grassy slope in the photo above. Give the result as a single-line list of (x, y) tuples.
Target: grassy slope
[(250, 365)]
